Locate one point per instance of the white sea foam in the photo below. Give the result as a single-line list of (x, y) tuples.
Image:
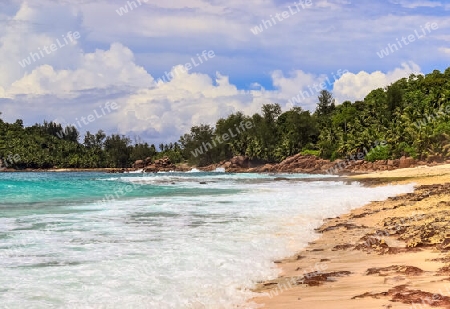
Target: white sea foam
[(136, 171), (177, 251), (194, 170)]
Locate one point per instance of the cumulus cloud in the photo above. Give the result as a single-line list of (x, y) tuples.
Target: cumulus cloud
[(445, 50), (353, 86), (301, 88), (68, 94), (118, 59), (163, 111), (296, 81), (30, 29), (101, 69), (171, 108)]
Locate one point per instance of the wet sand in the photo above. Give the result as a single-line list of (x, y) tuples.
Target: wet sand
[(389, 254)]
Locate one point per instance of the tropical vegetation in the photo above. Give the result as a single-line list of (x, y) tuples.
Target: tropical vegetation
[(412, 115)]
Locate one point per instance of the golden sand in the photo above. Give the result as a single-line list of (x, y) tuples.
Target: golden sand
[(390, 254)]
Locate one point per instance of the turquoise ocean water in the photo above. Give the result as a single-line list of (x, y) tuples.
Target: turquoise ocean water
[(96, 240)]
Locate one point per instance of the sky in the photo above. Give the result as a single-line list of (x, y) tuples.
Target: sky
[(152, 69)]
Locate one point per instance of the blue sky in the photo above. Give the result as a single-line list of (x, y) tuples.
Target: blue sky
[(118, 57)]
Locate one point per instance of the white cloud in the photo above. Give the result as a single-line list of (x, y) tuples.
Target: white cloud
[(301, 88), (445, 50), (188, 99), (117, 58), (32, 28), (333, 5), (420, 3), (168, 110), (101, 69), (356, 86), (163, 111), (296, 81)]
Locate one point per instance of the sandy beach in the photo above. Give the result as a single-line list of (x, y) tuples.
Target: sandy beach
[(389, 254)]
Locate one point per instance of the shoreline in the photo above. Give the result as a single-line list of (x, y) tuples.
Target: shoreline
[(361, 176), (299, 164), (387, 254)]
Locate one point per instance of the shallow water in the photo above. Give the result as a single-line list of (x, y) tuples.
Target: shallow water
[(94, 240)]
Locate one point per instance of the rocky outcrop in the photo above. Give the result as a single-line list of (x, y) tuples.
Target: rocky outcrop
[(148, 161), (313, 165), (160, 165), (435, 159), (139, 164), (239, 162), (406, 162)]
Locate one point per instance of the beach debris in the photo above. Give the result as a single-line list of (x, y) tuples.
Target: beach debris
[(445, 259), (399, 269), (444, 271), (406, 296), (371, 242), (317, 278), (270, 283), (342, 247), (347, 226)]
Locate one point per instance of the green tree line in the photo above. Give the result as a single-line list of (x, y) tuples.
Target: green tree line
[(45, 146), (412, 115)]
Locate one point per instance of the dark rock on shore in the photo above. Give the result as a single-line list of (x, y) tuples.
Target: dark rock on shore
[(160, 165), (307, 164), (310, 164)]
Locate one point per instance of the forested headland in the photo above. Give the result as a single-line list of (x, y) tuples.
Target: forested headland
[(412, 116)]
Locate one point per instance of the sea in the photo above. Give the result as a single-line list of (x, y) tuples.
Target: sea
[(163, 240)]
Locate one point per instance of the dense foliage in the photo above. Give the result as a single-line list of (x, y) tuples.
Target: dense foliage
[(49, 145), (412, 115)]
